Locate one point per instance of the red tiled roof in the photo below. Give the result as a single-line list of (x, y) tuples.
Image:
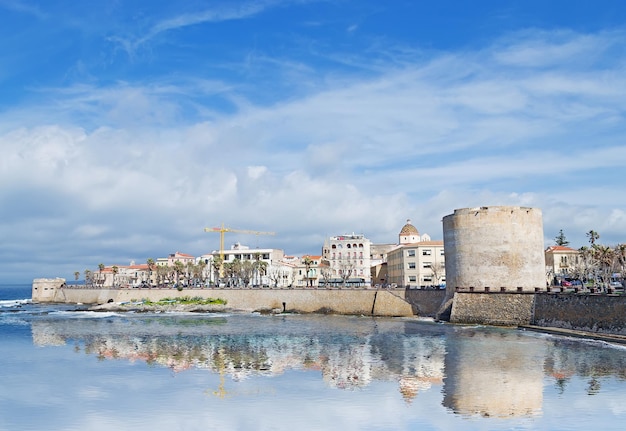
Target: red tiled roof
[(560, 248)]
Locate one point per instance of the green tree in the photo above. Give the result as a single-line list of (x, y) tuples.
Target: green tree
[(561, 240), (76, 275)]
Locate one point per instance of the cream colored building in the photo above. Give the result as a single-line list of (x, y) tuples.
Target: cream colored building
[(561, 262), (417, 262)]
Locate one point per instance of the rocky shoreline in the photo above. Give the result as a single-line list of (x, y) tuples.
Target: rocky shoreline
[(138, 307)]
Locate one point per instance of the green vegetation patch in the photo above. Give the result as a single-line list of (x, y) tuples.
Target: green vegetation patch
[(184, 300)]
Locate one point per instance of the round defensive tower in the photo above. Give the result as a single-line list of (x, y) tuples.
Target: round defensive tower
[(494, 247)]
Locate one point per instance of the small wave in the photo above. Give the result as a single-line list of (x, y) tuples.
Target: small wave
[(14, 302), (85, 314)]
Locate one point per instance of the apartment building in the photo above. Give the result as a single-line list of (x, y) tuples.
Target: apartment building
[(349, 260), (417, 262)]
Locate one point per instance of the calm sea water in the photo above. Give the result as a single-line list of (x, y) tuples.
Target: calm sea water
[(66, 369)]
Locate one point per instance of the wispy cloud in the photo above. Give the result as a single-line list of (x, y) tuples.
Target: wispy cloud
[(22, 7), (227, 12)]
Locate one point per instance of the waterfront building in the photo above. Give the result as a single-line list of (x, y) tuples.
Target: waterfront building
[(417, 265), (561, 262), (349, 260), (132, 275), (183, 258), (269, 259), (307, 271), (415, 262)]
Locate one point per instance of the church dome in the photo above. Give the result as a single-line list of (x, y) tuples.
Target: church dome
[(409, 229)]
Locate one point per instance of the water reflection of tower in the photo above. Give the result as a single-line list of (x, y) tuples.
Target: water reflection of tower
[(414, 356), (489, 375)]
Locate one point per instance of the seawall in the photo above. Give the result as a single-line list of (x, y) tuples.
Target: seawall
[(597, 313), (384, 302)]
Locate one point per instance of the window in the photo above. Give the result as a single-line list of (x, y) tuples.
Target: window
[(426, 252), (427, 265), (412, 279), (411, 265), (429, 279), (410, 253)]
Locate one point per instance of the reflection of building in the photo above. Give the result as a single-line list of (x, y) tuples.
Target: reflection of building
[(344, 353), (488, 377)]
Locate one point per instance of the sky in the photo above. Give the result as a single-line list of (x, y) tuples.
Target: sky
[(127, 127)]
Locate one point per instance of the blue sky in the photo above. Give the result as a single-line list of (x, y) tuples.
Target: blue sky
[(126, 127)]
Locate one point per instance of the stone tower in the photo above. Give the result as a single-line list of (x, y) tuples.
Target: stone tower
[(494, 247)]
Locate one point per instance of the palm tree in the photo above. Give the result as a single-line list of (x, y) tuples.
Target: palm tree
[(593, 237), (308, 262), (115, 270), (88, 277), (606, 259), (150, 263), (76, 275), (620, 256), (261, 269), (179, 268), (218, 268), (100, 269)]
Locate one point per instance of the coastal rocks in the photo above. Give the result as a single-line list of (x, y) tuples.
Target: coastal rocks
[(138, 307)]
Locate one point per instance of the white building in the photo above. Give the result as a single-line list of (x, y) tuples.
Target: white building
[(270, 258), (349, 259)]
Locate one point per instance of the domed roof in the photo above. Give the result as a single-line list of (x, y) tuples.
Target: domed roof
[(409, 229)]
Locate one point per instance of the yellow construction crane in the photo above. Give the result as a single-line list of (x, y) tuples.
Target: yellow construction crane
[(223, 229)]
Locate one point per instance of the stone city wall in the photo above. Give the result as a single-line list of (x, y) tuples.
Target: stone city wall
[(503, 309), (425, 302), (389, 302), (593, 313)]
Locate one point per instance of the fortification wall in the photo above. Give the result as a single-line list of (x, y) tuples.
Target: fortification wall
[(47, 289), (390, 302), (494, 247), (426, 302), (503, 309), (593, 313)]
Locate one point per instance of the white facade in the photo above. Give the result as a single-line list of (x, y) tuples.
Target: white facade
[(273, 259), (349, 259)]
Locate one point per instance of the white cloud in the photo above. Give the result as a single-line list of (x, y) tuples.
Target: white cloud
[(488, 127)]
